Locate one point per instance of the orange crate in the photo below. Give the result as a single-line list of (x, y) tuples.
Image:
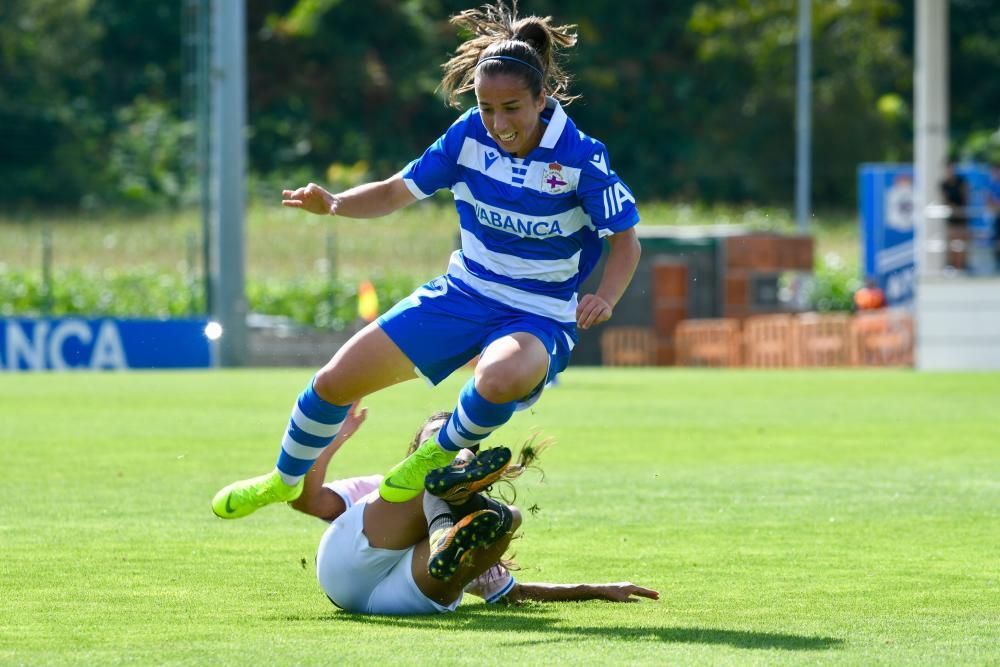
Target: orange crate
[(769, 341), (822, 339), (882, 338), (713, 343), (628, 346)]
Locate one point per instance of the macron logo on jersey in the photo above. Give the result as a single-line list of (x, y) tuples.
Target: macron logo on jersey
[(614, 197), (519, 226), (600, 162), (490, 158)]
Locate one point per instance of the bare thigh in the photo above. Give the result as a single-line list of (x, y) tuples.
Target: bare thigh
[(368, 362), (395, 525)]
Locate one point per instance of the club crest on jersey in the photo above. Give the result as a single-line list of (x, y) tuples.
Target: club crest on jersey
[(553, 181)]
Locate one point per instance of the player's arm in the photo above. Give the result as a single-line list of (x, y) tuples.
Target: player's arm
[(369, 200), (623, 257), (618, 592), (316, 499)]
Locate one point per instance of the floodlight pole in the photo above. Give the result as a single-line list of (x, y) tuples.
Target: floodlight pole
[(803, 116), (229, 92), (930, 136)]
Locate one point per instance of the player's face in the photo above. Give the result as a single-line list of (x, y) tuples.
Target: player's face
[(510, 113)]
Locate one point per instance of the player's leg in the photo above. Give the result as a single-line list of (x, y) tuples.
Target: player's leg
[(509, 369), (456, 530), (395, 525), (464, 476), (368, 362), (471, 562), (399, 525)]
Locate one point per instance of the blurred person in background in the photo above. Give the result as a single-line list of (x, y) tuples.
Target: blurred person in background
[(955, 194), (536, 198), (993, 203)]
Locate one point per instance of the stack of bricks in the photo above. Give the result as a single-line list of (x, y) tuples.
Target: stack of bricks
[(759, 254)]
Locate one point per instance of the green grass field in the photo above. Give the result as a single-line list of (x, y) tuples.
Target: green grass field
[(786, 517)]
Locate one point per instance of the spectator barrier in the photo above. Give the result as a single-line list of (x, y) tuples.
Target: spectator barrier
[(627, 346), (877, 338), (713, 343)]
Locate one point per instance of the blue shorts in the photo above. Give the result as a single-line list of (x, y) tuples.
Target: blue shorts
[(443, 325)]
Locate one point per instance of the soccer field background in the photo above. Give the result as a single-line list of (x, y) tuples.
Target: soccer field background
[(811, 517)]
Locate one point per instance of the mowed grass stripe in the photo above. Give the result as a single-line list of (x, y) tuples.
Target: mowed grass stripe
[(787, 518)]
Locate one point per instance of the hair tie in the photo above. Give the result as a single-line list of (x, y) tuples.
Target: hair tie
[(512, 59)]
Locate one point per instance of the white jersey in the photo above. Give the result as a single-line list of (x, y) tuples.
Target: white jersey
[(491, 585)]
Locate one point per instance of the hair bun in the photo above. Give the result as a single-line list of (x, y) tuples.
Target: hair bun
[(532, 31)]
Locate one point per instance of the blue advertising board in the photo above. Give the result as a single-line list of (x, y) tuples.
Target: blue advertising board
[(887, 218), (103, 344), (887, 210)]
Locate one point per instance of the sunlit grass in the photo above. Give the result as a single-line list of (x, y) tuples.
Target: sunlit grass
[(802, 517), (283, 244)]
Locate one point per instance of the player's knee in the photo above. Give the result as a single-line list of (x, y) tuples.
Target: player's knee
[(515, 521), (331, 389), (501, 384)]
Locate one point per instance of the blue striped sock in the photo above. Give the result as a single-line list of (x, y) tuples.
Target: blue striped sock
[(473, 419), (313, 425)]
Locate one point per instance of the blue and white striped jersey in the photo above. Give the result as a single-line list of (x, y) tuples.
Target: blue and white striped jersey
[(531, 227)]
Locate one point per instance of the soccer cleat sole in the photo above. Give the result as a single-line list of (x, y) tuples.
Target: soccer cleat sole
[(456, 482), (479, 529)]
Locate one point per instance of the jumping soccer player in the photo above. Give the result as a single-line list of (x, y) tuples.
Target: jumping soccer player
[(376, 556), (535, 197)]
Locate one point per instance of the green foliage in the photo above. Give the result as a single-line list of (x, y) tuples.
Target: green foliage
[(834, 284), (320, 302), (146, 160), (694, 98), (982, 146), (316, 302), (749, 51), (116, 293)]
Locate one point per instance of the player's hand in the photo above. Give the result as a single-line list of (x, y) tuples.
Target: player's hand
[(311, 198), (352, 422), (592, 310), (626, 592)]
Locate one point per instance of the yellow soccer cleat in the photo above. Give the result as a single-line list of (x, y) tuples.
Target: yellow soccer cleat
[(249, 495), (406, 480)]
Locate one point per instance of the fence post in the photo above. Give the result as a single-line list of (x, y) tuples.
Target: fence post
[(331, 269), (46, 269), (191, 245)]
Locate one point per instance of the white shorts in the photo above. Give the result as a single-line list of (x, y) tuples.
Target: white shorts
[(360, 578)]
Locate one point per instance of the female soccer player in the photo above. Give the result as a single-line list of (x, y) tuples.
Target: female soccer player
[(535, 197), (376, 557)]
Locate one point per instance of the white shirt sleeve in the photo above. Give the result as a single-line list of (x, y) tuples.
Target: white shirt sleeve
[(492, 585), (354, 489)]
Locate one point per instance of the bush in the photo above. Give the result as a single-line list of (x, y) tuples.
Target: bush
[(834, 284), (315, 302)]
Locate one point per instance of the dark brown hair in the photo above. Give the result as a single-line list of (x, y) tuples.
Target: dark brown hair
[(524, 47), (437, 416)]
